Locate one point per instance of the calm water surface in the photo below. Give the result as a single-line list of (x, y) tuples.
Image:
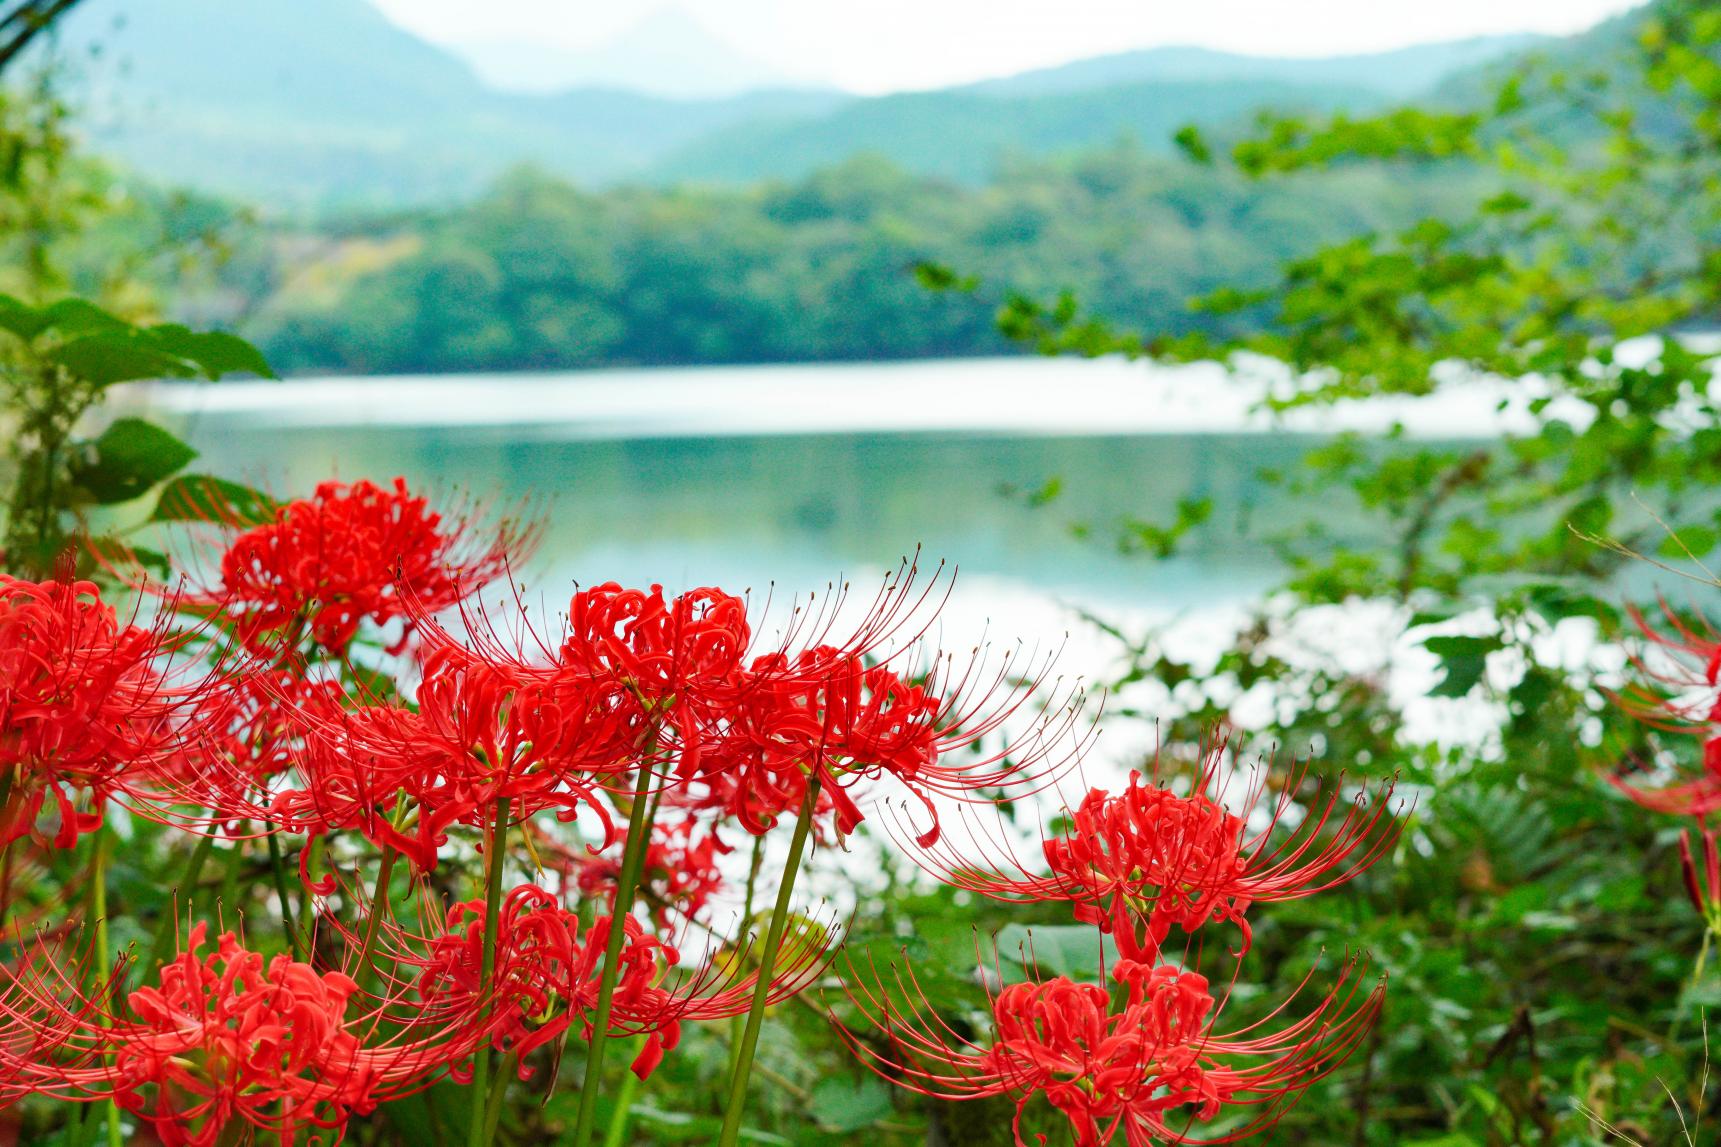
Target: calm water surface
[(789, 477)]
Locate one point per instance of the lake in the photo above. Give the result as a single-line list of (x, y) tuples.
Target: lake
[(790, 477)]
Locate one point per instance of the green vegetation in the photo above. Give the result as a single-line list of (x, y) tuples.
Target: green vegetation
[(538, 274), (1548, 985)]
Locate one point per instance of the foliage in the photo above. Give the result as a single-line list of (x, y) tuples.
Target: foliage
[(1533, 924), (539, 275), (69, 224), (62, 359)]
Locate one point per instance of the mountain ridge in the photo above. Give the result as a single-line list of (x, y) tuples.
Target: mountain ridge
[(1398, 72), (328, 103)]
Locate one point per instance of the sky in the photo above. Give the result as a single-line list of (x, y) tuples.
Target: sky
[(876, 46)]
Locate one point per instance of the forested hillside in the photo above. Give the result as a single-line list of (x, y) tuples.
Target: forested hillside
[(540, 274)]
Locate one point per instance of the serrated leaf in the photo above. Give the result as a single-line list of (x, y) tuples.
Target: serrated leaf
[(130, 457)]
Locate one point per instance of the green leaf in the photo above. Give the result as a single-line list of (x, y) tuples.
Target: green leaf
[(1463, 659), (1555, 600), (113, 357), (842, 1105), (116, 553), (131, 456), (202, 498), (1688, 542), (20, 318), (73, 317), (1073, 950), (216, 353)]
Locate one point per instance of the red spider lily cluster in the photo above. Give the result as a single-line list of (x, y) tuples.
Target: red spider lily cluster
[(485, 839), (1144, 1060)]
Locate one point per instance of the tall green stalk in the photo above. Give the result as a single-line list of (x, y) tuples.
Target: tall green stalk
[(736, 1022), (627, 885), (487, 968), (378, 899), (6, 776), (616, 1136), (736, 1107), (498, 1091), (104, 954), (294, 941), (380, 894)]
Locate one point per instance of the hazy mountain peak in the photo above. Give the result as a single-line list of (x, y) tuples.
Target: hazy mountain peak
[(669, 52)]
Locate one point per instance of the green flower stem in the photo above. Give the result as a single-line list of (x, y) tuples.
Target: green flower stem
[(104, 955), (378, 898), (737, 1104), (1691, 985), (380, 893), (746, 922), (499, 1089), (487, 968), (616, 1136), (294, 940), (6, 776), (188, 889), (633, 859), (307, 908)]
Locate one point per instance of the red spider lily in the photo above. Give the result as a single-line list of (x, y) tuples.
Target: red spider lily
[(232, 1039), (825, 713), (662, 649), (754, 737), (85, 705), (664, 668), (247, 730), (1138, 862), (481, 733), (1690, 667), (547, 974), (1147, 1068), (348, 554), (680, 873)]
